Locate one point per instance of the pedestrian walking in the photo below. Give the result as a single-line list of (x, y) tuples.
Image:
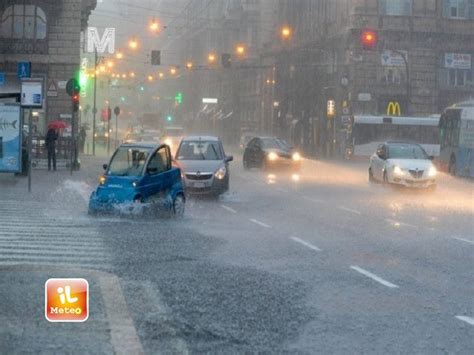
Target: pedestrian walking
[(82, 139), (50, 141)]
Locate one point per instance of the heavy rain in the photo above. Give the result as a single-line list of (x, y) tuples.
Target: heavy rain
[(236, 176)]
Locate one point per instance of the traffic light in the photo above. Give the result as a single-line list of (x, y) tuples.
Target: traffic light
[(369, 39), (179, 98), (226, 60), (155, 57), (169, 118), (75, 102)]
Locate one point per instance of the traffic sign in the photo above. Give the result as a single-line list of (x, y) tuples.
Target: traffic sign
[(24, 70), (32, 93), (52, 88)]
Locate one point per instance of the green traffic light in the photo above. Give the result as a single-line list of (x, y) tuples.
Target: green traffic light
[(169, 118)]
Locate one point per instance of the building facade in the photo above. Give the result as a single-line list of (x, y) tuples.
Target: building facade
[(47, 34), (423, 61)]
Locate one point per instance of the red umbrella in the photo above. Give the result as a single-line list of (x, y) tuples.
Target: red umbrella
[(57, 125)]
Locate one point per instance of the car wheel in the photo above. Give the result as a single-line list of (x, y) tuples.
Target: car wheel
[(371, 176), (452, 166), (178, 206)]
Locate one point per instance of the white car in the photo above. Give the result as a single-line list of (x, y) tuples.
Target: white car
[(402, 164)]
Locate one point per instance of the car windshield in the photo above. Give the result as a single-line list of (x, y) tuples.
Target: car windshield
[(128, 161), (273, 143), (406, 151), (199, 150)]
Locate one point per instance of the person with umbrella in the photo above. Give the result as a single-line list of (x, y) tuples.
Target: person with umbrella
[(50, 141)]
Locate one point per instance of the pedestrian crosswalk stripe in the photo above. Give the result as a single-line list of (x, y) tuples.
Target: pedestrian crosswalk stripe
[(33, 235), (43, 252), (51, 244), (55, 264), (54, 258)]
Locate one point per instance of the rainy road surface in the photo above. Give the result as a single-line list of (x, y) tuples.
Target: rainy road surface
[(321, 262)]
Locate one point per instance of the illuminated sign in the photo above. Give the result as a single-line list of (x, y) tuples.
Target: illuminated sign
[(393, 109), (103, 44), (331, 108)]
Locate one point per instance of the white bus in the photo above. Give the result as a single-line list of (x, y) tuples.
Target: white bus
[(366, 133)]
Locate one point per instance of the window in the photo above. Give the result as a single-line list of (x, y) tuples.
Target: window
[(392, 75), (395, 7), (460, 77), (23, 22), (461, 9), (159, 163)]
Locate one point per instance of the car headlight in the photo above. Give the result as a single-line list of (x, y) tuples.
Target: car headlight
[(296, 156), (102, 180), (398, 171), (221, 173), (272, 156), (432, 172)]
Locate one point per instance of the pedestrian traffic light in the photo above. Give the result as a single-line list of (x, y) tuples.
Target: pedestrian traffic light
[(75, 102), (368, 39), (226, 60), (179, 98)]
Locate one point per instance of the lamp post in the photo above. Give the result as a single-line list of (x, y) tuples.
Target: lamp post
[(97, 61)]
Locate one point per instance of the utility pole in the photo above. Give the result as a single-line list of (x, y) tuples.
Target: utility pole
[(94, 109)]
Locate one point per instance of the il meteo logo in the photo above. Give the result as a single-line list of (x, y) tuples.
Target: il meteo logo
[(66, 300)]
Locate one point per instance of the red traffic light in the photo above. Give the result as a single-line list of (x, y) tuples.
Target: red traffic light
[(368, 39)]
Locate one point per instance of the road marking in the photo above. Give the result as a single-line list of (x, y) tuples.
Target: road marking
[(349, 210), (259, 223), (298, 240), (124, 336), (399, 224), (466, 319), (464, 240), (374, 277), (228, 209)]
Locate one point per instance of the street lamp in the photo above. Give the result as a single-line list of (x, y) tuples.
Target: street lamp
[(240, 50), (286, 32), (189, 65), (119, 55), (132, 74), (150, 78), (154, 26), (211, 58), (133, 43), (161, 75), (173, 71), (110, 64)]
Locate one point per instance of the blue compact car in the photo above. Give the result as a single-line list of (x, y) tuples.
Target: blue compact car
[(139, 173)]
